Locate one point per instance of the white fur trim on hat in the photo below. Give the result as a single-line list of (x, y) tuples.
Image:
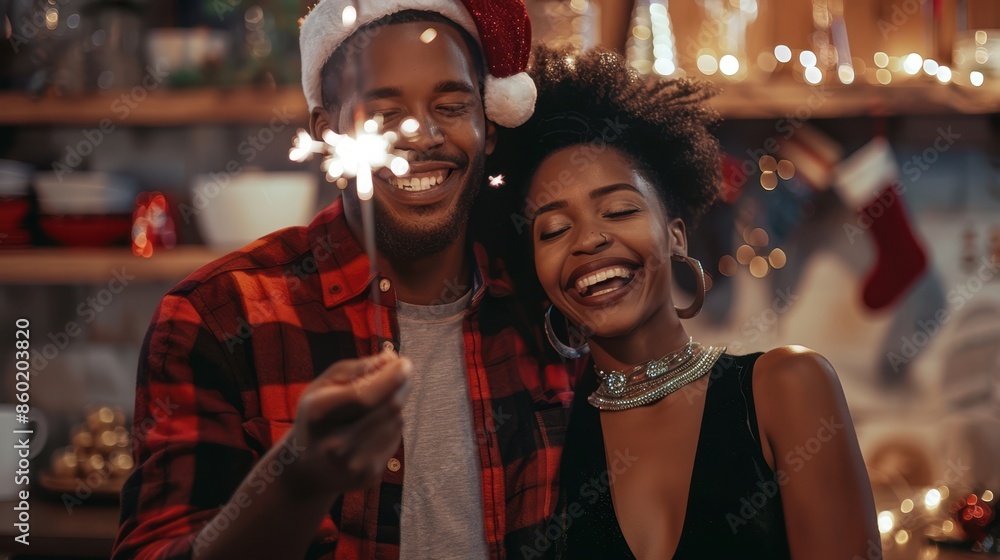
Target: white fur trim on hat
[(510, 101), (323, 31)]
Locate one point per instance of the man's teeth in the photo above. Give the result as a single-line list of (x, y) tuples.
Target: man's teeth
[(600, 276), (419, 183)]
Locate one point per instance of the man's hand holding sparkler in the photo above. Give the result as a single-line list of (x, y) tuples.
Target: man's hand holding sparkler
[(349, 424)]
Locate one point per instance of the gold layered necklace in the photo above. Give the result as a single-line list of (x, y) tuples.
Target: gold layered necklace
[(650, 381)]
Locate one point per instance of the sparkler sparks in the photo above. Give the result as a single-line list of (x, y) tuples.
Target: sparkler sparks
[(428, 35), (409, 126), (497, 182), (350, 16), (358, 157)]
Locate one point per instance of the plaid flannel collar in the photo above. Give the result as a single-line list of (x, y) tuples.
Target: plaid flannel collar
[(345, 269)]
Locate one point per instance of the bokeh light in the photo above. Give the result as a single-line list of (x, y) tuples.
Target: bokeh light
[(813, 75), (707, 64), (786, 169), (349, 16), (728, 265), (885, 522), (912, 63), (782, 53), (846, 74), (428, 35), (768, 163), (758, 238), (777, 258), (768, 180), (729, 65), (933, 498), (759, 267)]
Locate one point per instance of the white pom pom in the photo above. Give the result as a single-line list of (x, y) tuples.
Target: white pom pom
[(510, 102)]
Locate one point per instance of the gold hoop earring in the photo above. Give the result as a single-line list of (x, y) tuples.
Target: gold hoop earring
[(699, 296)]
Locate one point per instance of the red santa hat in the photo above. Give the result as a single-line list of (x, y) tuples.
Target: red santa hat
[(502, 28)]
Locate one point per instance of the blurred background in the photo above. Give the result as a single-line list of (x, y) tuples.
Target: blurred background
[(140, 140)]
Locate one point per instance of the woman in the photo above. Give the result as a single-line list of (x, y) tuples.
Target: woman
[(675, 449)]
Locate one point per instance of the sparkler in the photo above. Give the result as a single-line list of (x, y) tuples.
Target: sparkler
[(358, 157)]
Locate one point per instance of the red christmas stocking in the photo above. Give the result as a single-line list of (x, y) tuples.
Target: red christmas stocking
[(867, 183)]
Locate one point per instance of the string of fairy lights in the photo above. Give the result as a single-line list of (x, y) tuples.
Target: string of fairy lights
[(651, 45), (935, 515), (722, 54)]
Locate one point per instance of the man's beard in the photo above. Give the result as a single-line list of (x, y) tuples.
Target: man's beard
[(407, 242)]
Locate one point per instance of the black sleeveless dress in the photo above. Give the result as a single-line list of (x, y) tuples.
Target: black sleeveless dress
[(734, 504)]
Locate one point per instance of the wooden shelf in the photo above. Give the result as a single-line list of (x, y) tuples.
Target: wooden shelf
[(786, 99), (779, 98), (158, 108), (88, 531), (98, 266)]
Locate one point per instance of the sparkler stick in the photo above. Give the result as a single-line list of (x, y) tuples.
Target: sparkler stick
[(365, 183), (359, 156), (368, 151)]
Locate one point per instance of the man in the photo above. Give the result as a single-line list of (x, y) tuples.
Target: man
[(260, 447)]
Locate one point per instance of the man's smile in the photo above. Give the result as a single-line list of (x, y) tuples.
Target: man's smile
[(416, 182), (427, 182)]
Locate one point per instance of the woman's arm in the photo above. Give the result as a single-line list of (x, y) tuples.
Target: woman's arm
[(825, 491)]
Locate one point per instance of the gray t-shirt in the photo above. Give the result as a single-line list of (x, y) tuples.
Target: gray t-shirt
[(442, 511)]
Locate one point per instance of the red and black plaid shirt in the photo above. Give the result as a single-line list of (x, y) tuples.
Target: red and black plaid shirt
[(232, 348)]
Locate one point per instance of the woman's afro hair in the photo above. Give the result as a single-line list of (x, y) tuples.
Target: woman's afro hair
[(596, 98)]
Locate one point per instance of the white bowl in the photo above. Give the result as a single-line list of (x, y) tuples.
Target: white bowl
[(51, 185), (251, 205), (84, 193), (86, 205), (15, 177)]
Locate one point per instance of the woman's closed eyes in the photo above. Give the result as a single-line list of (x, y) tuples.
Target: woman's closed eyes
[(555, 231)]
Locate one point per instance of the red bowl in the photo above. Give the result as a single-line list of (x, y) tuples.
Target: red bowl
[(16, 240), (13, 210), (87, 231)]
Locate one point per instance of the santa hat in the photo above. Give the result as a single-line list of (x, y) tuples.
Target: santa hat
[(502, 28)]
